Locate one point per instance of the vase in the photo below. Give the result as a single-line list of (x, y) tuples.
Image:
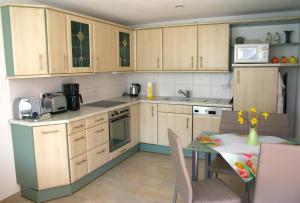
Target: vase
[(288, 36), (252, 137)]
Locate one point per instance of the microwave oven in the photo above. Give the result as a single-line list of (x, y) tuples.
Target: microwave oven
[(251, 53)]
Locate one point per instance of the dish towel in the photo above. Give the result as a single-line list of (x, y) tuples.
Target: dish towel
[(281, 87)]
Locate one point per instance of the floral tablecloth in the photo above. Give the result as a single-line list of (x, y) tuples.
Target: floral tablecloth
[(243, 158)]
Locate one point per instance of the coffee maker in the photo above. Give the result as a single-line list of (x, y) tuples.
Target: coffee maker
[(71, 92)]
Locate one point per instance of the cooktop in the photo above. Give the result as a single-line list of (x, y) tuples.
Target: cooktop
[(105, 103)]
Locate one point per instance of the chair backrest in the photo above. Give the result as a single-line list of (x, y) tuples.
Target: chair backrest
[(229, 123), (275, 125), (183, 183), (278, 178)]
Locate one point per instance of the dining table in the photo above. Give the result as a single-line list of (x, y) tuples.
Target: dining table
[(243, 158)]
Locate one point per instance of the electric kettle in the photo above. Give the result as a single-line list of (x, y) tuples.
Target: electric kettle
[(134, 89)]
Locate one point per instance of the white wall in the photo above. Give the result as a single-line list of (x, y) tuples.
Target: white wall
[(205, 85)]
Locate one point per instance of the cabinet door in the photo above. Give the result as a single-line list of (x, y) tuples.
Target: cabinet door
[(180, 48), (181, 124), (79, 39), (105, 47), (77, 144), (78, 167), (97, 136), (256, 87), (28, 32), (125, 62), (149, 49), (135, 124), (205, 123), (97, 157), (57, 42), (51, 156), (213, 47), (148, 114)]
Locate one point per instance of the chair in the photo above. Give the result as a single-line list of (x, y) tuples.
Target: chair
[(276, 125), (278, 178), (229, 124), (208, 190)]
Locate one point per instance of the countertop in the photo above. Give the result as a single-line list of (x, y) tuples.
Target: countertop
[(86, 111)]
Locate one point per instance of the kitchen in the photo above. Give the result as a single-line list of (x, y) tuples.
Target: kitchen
[(107, 86)]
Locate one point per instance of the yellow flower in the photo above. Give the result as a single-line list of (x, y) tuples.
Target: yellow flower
[(239, 165), (253, 121), (253, 110), (265, 115), (241, 120), (240, 113)]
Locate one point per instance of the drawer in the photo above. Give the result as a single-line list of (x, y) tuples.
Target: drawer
[(78, 167), (120, 151), (97, 136), (168, 108), (77, 144), (96, 120), (97, 157), (76, 126)]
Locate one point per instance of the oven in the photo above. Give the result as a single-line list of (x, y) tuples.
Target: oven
[(119, 128)]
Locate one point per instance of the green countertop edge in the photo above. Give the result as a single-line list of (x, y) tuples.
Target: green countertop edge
[(7, 40), (57, 192)]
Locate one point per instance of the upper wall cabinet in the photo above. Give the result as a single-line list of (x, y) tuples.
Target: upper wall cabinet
[(180, 48), (24, 33), (213, 47), (105, 47), (57, 43), (79, 38), (149, 49), (125, 51)]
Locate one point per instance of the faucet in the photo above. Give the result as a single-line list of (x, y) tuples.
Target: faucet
[(186, 93)]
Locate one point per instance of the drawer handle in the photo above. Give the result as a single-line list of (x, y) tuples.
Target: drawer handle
[(187, 123), (98, 120), (79, 126), (76, 140), (102, 151), (99, 131), (81, 162), (50, 132), (123, 150)]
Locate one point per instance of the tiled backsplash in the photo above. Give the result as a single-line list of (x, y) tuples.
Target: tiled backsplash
[(205, 85)]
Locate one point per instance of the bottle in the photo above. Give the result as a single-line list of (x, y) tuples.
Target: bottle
[(149, 90)]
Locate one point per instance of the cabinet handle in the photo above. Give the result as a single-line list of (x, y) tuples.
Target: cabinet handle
[(187, 123), (81, 162), (50, 132), (99, 131), (76, 140), (79, 126), (98, 120), (123, 150), (41, 61), (201, 61), (152, 111), (102, 151), (192, 58), (238, 76), (158, 62)]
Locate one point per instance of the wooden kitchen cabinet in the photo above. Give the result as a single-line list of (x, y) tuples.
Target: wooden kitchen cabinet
[(97, 157), (25, 44), (78, 167), (257, 87), (135, 124), (148, 119), (205, 123), (181, 124), (105, 47), (80, 47), (97, 136), (77, 144), (57, 42), (149, 49), (125, 51), (180, 48), (51, 156), (213, 47)]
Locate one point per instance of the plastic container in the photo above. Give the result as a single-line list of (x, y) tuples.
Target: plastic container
[(149, 90)]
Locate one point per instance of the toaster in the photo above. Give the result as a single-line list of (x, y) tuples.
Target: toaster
[(54, 103)]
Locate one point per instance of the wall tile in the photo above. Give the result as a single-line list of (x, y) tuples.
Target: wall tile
[(203, 91), (218, 91), (183, 79), (165, 90), (202, 78), (166, 78), (220, 78)]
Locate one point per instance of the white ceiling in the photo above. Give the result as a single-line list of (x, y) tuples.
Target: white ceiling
[(133, 12)]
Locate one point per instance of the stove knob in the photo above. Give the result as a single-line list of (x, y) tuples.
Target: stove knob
[(116, 113)]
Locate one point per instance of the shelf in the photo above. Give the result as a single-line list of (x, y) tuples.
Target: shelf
[(285, 44), (265, 65)]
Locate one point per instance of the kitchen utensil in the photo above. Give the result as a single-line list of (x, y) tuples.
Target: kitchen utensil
[(134, 89), (275, 59), (54, 103), (73, 98), (283, 59), (292, 60), (22, 108), (288, 36)]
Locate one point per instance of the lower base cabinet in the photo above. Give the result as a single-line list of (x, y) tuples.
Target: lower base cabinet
[(148, 123), (120, 151), (78, 167), (205, 123), (97, 157)]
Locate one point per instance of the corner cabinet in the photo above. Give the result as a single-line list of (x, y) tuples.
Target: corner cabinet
[(25, 45), (257, 87), (79, 39), (125, 51)]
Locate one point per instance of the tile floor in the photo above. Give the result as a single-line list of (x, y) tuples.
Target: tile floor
[(142, 178)]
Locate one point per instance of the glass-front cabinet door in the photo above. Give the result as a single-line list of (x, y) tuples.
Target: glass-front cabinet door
[(125, 62), (79, 44)]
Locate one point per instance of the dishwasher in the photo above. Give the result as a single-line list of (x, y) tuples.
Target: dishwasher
[(207, 118)]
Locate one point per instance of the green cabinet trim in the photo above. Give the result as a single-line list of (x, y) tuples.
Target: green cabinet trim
[(7, 40), (23, 143)]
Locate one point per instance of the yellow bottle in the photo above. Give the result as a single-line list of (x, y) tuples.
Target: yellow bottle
[(149, 90)]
